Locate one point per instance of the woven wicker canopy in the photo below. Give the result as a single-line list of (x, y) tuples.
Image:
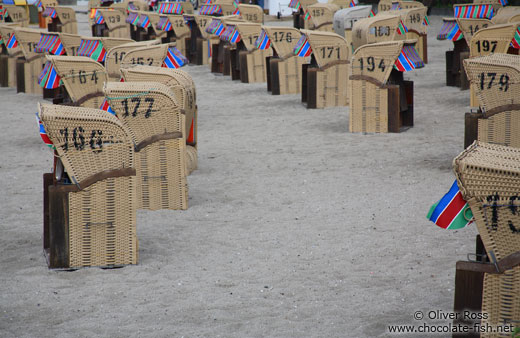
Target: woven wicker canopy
[(382, 27), (249, 32), (28, 38), (493, 39), (116, 54), (283, 39), (413, 18), (251, 13), (17, 14), (327, 47), (149, 55), (470, 26)]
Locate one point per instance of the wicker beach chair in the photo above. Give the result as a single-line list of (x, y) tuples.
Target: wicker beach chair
[(220, 47), (506, 14), (414, 20), (6, 31), (152, 115), (380, 99), (16, 14), (62, 19), (300, 7), (382, 27), (176, 30), (199, 51), (251, 13), (111, 23), (321, 16), (28, 68), (153, 55), (92, 207), (248, 63), (83, 79), (488, 178), (496, 81), (325, 80), (116, 54), (284, 68), (344, 20)]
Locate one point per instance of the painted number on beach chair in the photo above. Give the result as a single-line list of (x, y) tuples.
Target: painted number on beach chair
[(486, 46), (203, 23), (65, 16), (318, 12), (488, 80), (369, 63), (251, 17), (16, 16), (140, 61), (380, 31), (178, 23), (493, 201), (476, 28), (83, 76), (95, 141), (280, 36), (137, 101), (330, 52), (118, 56), (114, 19), (32, 46), (385, 7), (415, 18), (252, 39)]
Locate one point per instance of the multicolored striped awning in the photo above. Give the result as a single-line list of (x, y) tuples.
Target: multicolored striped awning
[(210, 10), (295, 4), (474, 11), (446, 28), (93, 49), (515, 43), (216, 27), (50, 44), (408, 60), (144, 21), (303, 48), (170, 8)]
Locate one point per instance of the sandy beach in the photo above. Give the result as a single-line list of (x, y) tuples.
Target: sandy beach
[(295, 227)]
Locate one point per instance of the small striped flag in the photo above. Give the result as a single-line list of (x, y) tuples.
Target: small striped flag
[(106, 107), (263, 42), (401, 28), (452, 211), (426, 21), (353, 3), (43, 133), (515, 43), (99, 19), (372, 13), (455, 34), (12, 42), (303, 48), (174, 59), (408, 60), (235, 36), (144, 22), (48, 78)]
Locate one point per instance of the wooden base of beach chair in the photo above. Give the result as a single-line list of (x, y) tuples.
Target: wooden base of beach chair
[(4, 71), (27, 74), (471, 128), (285, 75), (216, 65), (11, 71), (234, 64), (202, 56), (226, 60), (469, 284), (387, 109), (464, 81), (70, 244), (455, 75), (325, 87), (253, 66), (100, 30)]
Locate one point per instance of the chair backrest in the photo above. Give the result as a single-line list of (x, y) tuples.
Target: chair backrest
[(345, 18), (202, 22), (149, 55), (327, 48), (83, 79), (148, 109), (488, 177), (496, 79), (413, 18), (68, 20), (50, 43), (116, 54), (71, 42), (469, 27), (248, 33), (321, 16), (505, 14), (154, 20), (251, 13), (178, 81), (375, 62), (16, 14), (177, 24), (89, 142), (116, 23), (28, 39), (382, 27), (283, 39), (494, 39)]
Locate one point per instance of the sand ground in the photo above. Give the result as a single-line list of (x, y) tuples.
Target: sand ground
[(296, 227)]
